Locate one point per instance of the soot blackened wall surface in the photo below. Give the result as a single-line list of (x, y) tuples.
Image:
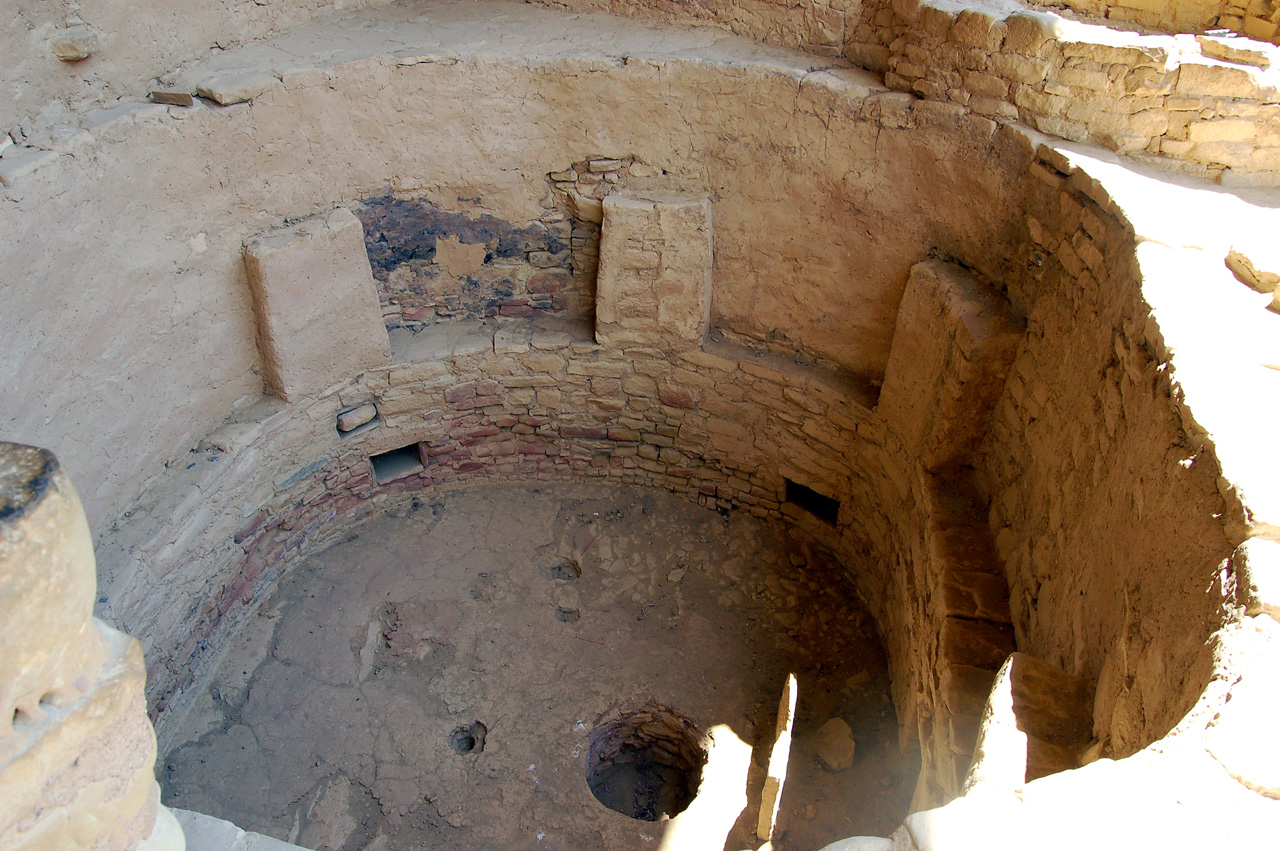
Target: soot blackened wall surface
[(433, 264)]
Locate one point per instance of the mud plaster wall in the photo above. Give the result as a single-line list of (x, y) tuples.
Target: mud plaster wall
[(137, 41), (805, 173)]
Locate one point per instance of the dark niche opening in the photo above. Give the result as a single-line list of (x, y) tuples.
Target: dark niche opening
[(823, 507), (391, 465)]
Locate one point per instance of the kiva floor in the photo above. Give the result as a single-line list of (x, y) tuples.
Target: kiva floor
[(337, 716)]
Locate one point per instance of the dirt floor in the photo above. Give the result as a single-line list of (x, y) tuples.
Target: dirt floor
[(433, 681)]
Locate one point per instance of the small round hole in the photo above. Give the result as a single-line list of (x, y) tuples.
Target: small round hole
[(564, 568), (646, 764), (468, 740)]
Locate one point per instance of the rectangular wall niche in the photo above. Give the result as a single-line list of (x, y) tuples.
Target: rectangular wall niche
[(391, 465), (823, 507)]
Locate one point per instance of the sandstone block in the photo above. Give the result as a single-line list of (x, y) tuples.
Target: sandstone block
[(1230, 154), (654, 282), (985, 85), (1215, 81), (835, 745), (316, 305), (1221, 130), (954, 340), (1027, 31), (977, 644), (1238, 51), (1039, 102), (1020, 69), (172, 97), (356, 417), (228, 89), (1262, 29), (1129, 55), (1257, 272), (75, 43)]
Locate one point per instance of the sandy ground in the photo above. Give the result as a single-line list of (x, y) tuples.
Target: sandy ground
[(332, 720)]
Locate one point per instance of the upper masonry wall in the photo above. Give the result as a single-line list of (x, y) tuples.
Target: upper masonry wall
[(1207, 106)]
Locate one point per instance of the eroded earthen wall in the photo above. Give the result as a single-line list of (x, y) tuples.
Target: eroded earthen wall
[(1108, 518)]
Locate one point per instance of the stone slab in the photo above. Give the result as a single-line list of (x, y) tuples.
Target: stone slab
[(654, 283), (316, 304)]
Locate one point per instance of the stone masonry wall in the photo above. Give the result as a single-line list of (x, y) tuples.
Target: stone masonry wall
[(1256, 19), (537, 402), (1162, 99), (772, 149), (1088, 449), (1208, 107), (1166, 15), (433, 264)]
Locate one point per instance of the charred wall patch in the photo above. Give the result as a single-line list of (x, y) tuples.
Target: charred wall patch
[(433, 264)]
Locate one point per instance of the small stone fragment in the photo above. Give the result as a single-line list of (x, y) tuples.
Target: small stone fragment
[(835, 744), (601, 166), (74, 44), (228, 89), (356, 417), (1249, 272), (172, 98), (1238, 51), (586, 209)]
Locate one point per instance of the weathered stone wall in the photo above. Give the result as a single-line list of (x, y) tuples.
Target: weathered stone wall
[(1089, 470), (803, 265), (1207, 107), (1179, 16), (1255, 19), (1251, 18), (434, 265), (1173, 101)]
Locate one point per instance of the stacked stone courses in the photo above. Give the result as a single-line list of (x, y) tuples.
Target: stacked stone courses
[(1200, 105), (1146, 96)]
